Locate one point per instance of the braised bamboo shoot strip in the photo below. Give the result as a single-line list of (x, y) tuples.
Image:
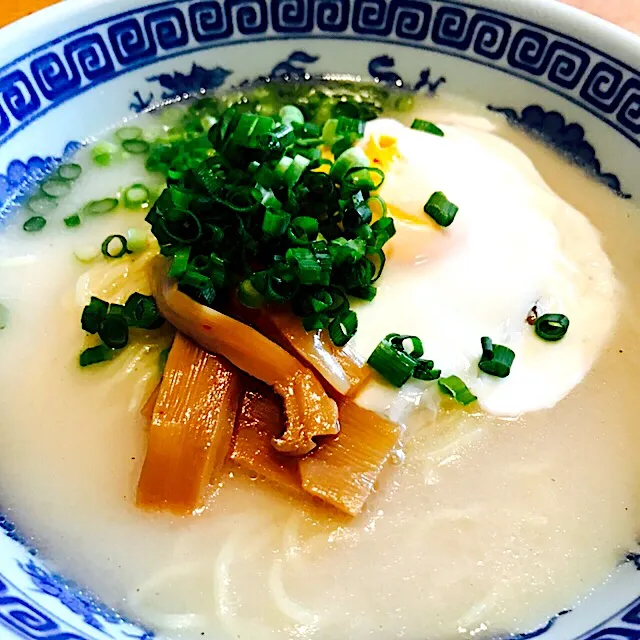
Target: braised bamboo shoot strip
[(341, 367), (343, 470), (260, 419), (191, 429), (309, 410)]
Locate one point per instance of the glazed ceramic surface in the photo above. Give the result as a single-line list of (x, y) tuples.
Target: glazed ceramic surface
[(70, 72)]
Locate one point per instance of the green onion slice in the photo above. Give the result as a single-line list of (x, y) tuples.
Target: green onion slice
[(180, 262), (115, 246), (42, 204), (343, 328), (137, 240), (552, 326), (425, 370), (275, 222), (316, 321), (69, 171), (427, 127), (86, 252), (496, 359), (93, 315), (56, 187), (129, 133), (249, 296), (142, 312), (95, 355), (35, 223), (290, 114), (303, 230), (97, 207), (440, 209), (72, 221), (411, 345), (394, 365), (363, 178), (137, 147), (103, 153), (457, 389), (136, 196), (349, 160), (114, 330)]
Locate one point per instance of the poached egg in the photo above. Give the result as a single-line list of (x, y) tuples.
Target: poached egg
[(513, 245)]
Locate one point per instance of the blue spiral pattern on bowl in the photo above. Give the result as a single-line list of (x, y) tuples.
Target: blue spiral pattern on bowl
[(54, 73)]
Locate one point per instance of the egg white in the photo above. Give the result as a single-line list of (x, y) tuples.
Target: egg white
[(514, 243)]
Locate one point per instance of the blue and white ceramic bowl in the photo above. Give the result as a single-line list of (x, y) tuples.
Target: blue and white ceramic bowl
[(69, 72)]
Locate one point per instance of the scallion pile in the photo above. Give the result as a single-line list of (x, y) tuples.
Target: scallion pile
[(276, 208)]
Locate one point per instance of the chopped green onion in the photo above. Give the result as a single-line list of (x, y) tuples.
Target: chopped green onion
[(343, 328), (440, 209), (392, 364), (180, 262), (456, 388), (35, 223), (70, 171), (306, 266), (137, 240), (72, 221), (142, 312), (316, 321), (55, 187), (303, 230), (496, 359), (114, 330), (103, 153), (275, 222), (427, 127), (425, 371), (97, 207), (129, 133), (42, 204), (383, 230), (95, 355), (137, 147), (281, 168), (295, 170), (342, 144), (86, 253), (136, 197), (353, 158), (330, 131), (361, 178), (290, 114), (411, 345), (249, 296), (552, 326), (93, 315), (367, 293), (115, 246)]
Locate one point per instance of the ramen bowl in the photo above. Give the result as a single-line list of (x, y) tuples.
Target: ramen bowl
[(70, 72)]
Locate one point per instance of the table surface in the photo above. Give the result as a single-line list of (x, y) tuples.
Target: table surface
[(623, 12)]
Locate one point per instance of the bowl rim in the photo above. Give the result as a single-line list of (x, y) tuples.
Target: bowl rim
[(68, 8), (611, 40)]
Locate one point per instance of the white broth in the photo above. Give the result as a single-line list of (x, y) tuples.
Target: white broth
[(482, 525)]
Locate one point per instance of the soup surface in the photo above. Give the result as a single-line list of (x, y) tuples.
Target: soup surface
[(489, 519)]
